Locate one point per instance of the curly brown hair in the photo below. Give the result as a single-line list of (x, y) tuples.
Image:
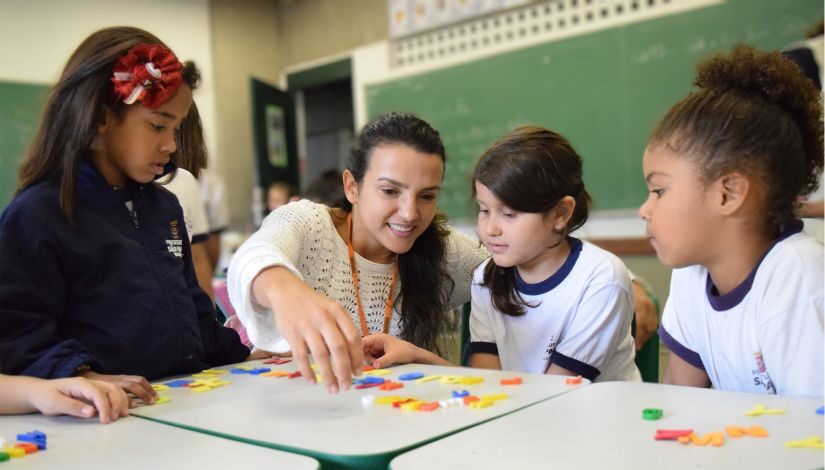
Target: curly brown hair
[(756, 113)]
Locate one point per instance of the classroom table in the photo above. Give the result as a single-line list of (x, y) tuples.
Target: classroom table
[(601, 426), (135, 443), (338, 429)]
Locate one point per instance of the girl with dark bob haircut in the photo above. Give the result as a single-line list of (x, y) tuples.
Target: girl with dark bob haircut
[(545, 302)]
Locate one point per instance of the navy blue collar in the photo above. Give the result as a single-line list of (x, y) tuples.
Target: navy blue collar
[(733, 298), (556, 278), (91, 181)]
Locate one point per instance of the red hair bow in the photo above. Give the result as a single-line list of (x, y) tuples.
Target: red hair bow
[(147, 73)]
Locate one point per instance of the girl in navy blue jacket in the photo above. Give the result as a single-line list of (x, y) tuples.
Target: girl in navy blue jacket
[(96, 276)]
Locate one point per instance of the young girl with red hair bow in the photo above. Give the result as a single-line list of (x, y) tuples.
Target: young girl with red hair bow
[(97, 277)]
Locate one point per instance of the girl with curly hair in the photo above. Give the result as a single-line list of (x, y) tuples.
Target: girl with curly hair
[(725, 168)]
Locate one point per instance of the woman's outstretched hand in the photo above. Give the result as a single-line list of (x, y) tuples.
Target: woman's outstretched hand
[(313, 325)]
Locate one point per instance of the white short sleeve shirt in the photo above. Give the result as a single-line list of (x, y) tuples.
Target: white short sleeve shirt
[(581, 319), (186, 188), (766, 335)]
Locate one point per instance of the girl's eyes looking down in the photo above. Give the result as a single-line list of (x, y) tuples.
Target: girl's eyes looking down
[(506, 213)]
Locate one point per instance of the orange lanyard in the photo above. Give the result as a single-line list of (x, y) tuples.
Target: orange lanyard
[(388, 308)]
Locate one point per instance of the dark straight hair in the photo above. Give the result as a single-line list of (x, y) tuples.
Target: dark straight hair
[(76, 108), (191, 152), (426, 286), (529, 170)]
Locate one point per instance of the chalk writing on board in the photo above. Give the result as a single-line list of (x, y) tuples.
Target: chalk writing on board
[(651, 54), (604, 91), (699, 45)]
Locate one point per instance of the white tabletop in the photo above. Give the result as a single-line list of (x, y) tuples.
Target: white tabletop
[(293, 415), (135, 443), (601, 426)]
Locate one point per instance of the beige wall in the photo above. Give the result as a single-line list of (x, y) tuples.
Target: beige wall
[(261, 38), (245, 44), (37, 37), (315, 29)]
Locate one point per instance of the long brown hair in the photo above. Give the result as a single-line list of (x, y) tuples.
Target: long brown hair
[(426, 286), (757, 113), (530, 170), (76, 108), (191, 153)]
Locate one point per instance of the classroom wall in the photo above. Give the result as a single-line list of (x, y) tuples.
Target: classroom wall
[(317, 29), (246, 44), (39, 35), (262, 39), (231, 41), (372, 64)]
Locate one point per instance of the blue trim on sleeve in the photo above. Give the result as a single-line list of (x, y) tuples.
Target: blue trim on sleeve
[(578, 367), (481, 347), (556, 278), (200, 238), (720, 303), (691, 357)]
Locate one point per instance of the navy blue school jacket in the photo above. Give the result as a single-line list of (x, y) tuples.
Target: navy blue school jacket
[(116, 290)]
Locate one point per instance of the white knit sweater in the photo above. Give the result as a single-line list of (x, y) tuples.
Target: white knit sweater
[(301, 237)]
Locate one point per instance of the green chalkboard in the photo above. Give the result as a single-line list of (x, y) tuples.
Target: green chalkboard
[(604, 91), (21, 106)]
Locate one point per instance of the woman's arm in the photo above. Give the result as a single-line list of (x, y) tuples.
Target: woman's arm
[(464, 254), (647, 318), (274, 303), (312, 324)]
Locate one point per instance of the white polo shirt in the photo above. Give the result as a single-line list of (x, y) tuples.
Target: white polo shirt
[(581, 319), (766, 335)]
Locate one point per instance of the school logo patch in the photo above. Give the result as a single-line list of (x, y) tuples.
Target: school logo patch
[(760, 374), (174, 244), (551, 348)]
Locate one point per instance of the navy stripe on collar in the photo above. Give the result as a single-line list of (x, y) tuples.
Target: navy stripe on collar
[(720, 303), (556, 278)]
